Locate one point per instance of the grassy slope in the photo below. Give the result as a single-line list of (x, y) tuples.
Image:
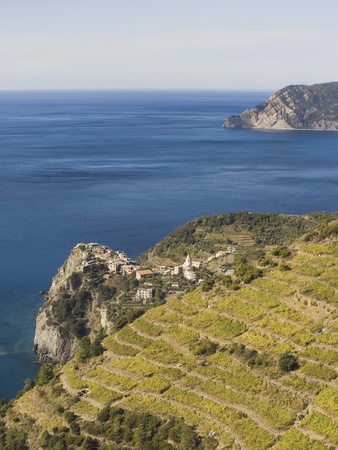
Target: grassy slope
[(152, 366), (207, 235)]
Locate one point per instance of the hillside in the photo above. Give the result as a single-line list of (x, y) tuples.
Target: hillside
[(245, 366), (293, 107), (249, 232), (97, 286)]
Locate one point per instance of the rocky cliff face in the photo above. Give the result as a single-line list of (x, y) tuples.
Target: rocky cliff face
[(52, 341), (293, 107)]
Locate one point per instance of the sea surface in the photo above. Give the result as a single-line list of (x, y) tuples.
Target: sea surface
[(124, 168)]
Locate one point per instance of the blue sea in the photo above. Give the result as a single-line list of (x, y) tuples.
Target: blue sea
[(124, 168)]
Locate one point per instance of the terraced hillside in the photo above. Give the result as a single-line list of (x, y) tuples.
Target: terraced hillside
[(205, 236), (253, 368)]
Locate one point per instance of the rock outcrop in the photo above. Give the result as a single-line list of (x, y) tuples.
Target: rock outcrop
[(294, 107), (52, 342)]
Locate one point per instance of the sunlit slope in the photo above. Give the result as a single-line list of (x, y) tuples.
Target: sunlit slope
[(160, 363), (206, 236)]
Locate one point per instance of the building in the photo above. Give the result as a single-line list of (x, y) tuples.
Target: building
[(178, 270), (144, 293), (92, 246), (92, 265), (187, 263), (145, 273), (190, 275), (126, 269), (114, 266), (197, 264), (230, 272)]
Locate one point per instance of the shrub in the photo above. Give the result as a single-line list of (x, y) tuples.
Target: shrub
[(281, 251), (247, 272), (288, 362), (16, 439), (207, 285), (204, 347)]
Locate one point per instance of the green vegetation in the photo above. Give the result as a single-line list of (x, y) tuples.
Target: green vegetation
[(111, 379), (45, 375), (155, 384), (251, 357), (322, 425), (294, 439), (288, 362), (146, 431), (247, 361), (146, 327), (216, 325), (319, 371), (70, 313), (88, 349), (182, 335), (322, 355), (213, 233), (328, 400), (204, 347), (123, 315), (247, 272), (130, 337), (235, 306), (120, 349), (162, 352)]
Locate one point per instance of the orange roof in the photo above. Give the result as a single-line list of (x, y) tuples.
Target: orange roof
[(145, 272)]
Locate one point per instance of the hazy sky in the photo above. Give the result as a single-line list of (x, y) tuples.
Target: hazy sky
[(195, 44)]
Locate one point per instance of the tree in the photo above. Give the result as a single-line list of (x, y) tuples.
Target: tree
[(96, 348), (84, 352), (2, 434), (44, 439), (16, 439), (90, 444), (29, 384), (247, 272), (189, 438), (45, 374), (288, 362), (207, 285)]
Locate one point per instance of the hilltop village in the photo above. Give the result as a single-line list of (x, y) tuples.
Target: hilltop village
[(174, 279)]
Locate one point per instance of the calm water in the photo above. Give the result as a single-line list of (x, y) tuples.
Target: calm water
[(124, 169)]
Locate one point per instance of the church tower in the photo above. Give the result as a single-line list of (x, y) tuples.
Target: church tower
[(187, 262)]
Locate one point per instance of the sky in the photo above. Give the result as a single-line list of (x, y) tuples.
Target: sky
[(176, 44)]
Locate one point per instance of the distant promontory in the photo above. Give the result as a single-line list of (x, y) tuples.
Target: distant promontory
[(294, 107)]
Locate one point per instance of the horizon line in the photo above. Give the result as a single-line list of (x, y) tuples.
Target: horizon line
[(137, 89)]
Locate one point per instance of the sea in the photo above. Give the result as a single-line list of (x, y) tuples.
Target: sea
[(125, 168)]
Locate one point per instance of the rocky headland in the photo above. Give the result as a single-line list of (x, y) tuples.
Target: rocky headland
[(295, 107), (51, 342), (72, 307)]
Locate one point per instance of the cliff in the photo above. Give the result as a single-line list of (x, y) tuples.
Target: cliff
[(293, 107), (91, 291), (52, 341)]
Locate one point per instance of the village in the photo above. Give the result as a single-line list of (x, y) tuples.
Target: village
[(174, 279)]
